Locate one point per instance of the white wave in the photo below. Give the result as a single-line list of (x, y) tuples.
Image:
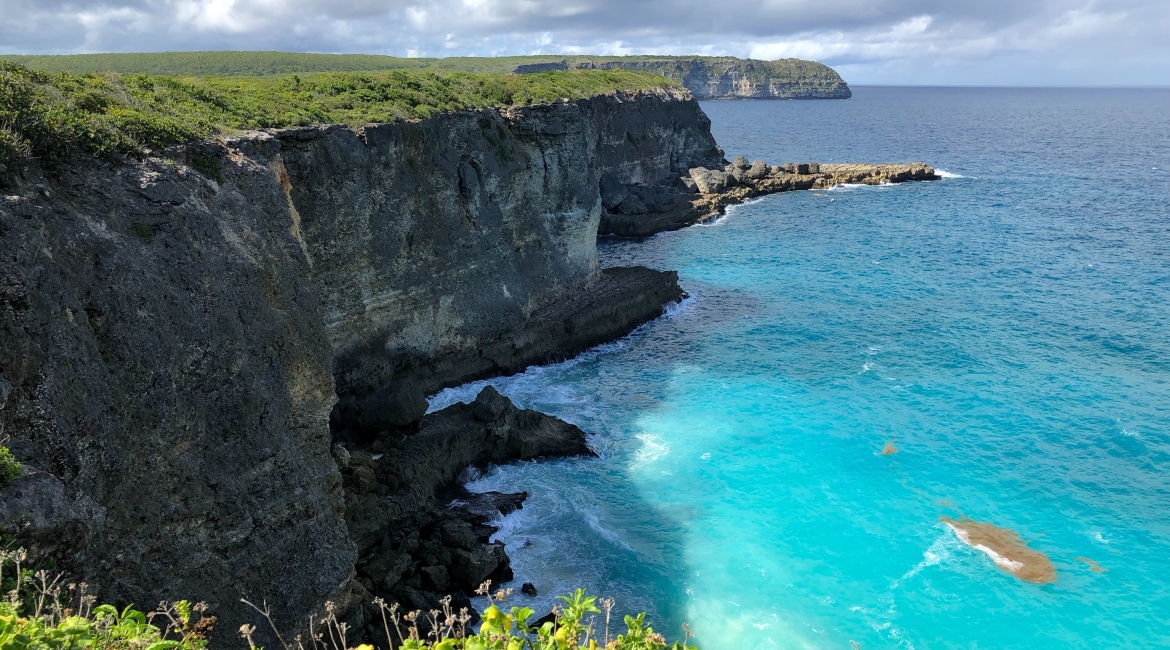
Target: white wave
[(945, 174), (940, 550), (1006, 564), (839, 187), (652, 449), (715, 219), (675, 308)]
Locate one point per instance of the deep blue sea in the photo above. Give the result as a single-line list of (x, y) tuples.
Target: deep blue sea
[(1007, 328)]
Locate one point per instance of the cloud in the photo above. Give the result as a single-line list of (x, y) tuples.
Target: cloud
[(895, 41)]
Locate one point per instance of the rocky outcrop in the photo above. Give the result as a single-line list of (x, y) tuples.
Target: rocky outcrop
[(172, 347), (415, 542), (725, 77), (705, 193)]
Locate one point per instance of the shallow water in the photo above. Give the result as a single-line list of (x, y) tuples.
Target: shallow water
[(1006, 330)]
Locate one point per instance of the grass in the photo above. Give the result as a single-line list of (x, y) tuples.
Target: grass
[(54, 117)]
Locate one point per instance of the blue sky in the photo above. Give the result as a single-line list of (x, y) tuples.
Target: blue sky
[(976, 42)]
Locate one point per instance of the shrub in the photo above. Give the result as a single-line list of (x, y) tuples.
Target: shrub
[(9, 467)]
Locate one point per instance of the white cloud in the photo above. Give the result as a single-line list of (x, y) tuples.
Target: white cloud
[(1087, 41)]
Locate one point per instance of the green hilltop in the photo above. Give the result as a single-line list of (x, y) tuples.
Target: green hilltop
[(53, 117)]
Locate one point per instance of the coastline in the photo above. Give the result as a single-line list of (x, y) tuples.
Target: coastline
[(311, 297)]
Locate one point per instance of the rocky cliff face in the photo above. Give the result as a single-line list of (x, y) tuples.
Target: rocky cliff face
[(445, 248), (172, 347), (171, 386), (731, 78)]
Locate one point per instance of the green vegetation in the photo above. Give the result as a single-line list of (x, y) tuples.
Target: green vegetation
[(9, 468), (207, 164), (264, 64), (41, 614), (500, 630), (784, 72), (55, 117)]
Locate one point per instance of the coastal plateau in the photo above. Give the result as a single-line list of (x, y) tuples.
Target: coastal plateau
[(707, 77), (216, 380)]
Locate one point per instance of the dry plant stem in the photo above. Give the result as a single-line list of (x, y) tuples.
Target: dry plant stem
[(266, 613), (45, 590), (607, 605), (385, 624)]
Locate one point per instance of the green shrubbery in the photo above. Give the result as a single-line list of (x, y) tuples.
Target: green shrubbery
[(9, 467), (501, 629), (55, 117), (39, 613)]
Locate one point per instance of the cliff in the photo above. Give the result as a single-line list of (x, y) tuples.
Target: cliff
[(731, 78), (173, 346)]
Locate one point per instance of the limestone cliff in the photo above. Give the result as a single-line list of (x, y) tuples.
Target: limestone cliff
[(172, 346), (725, 77), (446, 249)]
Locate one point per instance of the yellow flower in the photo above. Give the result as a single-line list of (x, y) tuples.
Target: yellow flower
[(364, 646)]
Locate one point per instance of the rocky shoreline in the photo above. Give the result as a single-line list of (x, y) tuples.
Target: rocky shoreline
[(216, 379), (640, 211), (420, 536)]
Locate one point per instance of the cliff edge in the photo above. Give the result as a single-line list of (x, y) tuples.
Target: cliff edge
[(710, 77)]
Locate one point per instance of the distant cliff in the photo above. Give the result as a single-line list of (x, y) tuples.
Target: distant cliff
[(731, 78)]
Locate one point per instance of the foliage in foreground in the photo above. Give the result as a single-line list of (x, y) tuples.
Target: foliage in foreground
[(39, 613), (501, 629), (9, 467), (55, 117)]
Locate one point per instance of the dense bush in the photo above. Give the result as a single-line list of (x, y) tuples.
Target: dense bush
[(55, 117)]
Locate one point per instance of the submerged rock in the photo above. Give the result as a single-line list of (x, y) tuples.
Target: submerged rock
[(1005, 548)]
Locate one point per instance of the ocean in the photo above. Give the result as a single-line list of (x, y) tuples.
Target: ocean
[(1005, 329)]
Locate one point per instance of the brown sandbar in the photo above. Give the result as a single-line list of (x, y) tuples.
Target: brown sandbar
[(1006, 548)]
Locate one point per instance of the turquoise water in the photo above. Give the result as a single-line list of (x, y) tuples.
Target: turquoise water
[(1007, 328)]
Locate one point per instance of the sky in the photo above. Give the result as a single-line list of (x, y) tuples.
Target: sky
[(935, 42)]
